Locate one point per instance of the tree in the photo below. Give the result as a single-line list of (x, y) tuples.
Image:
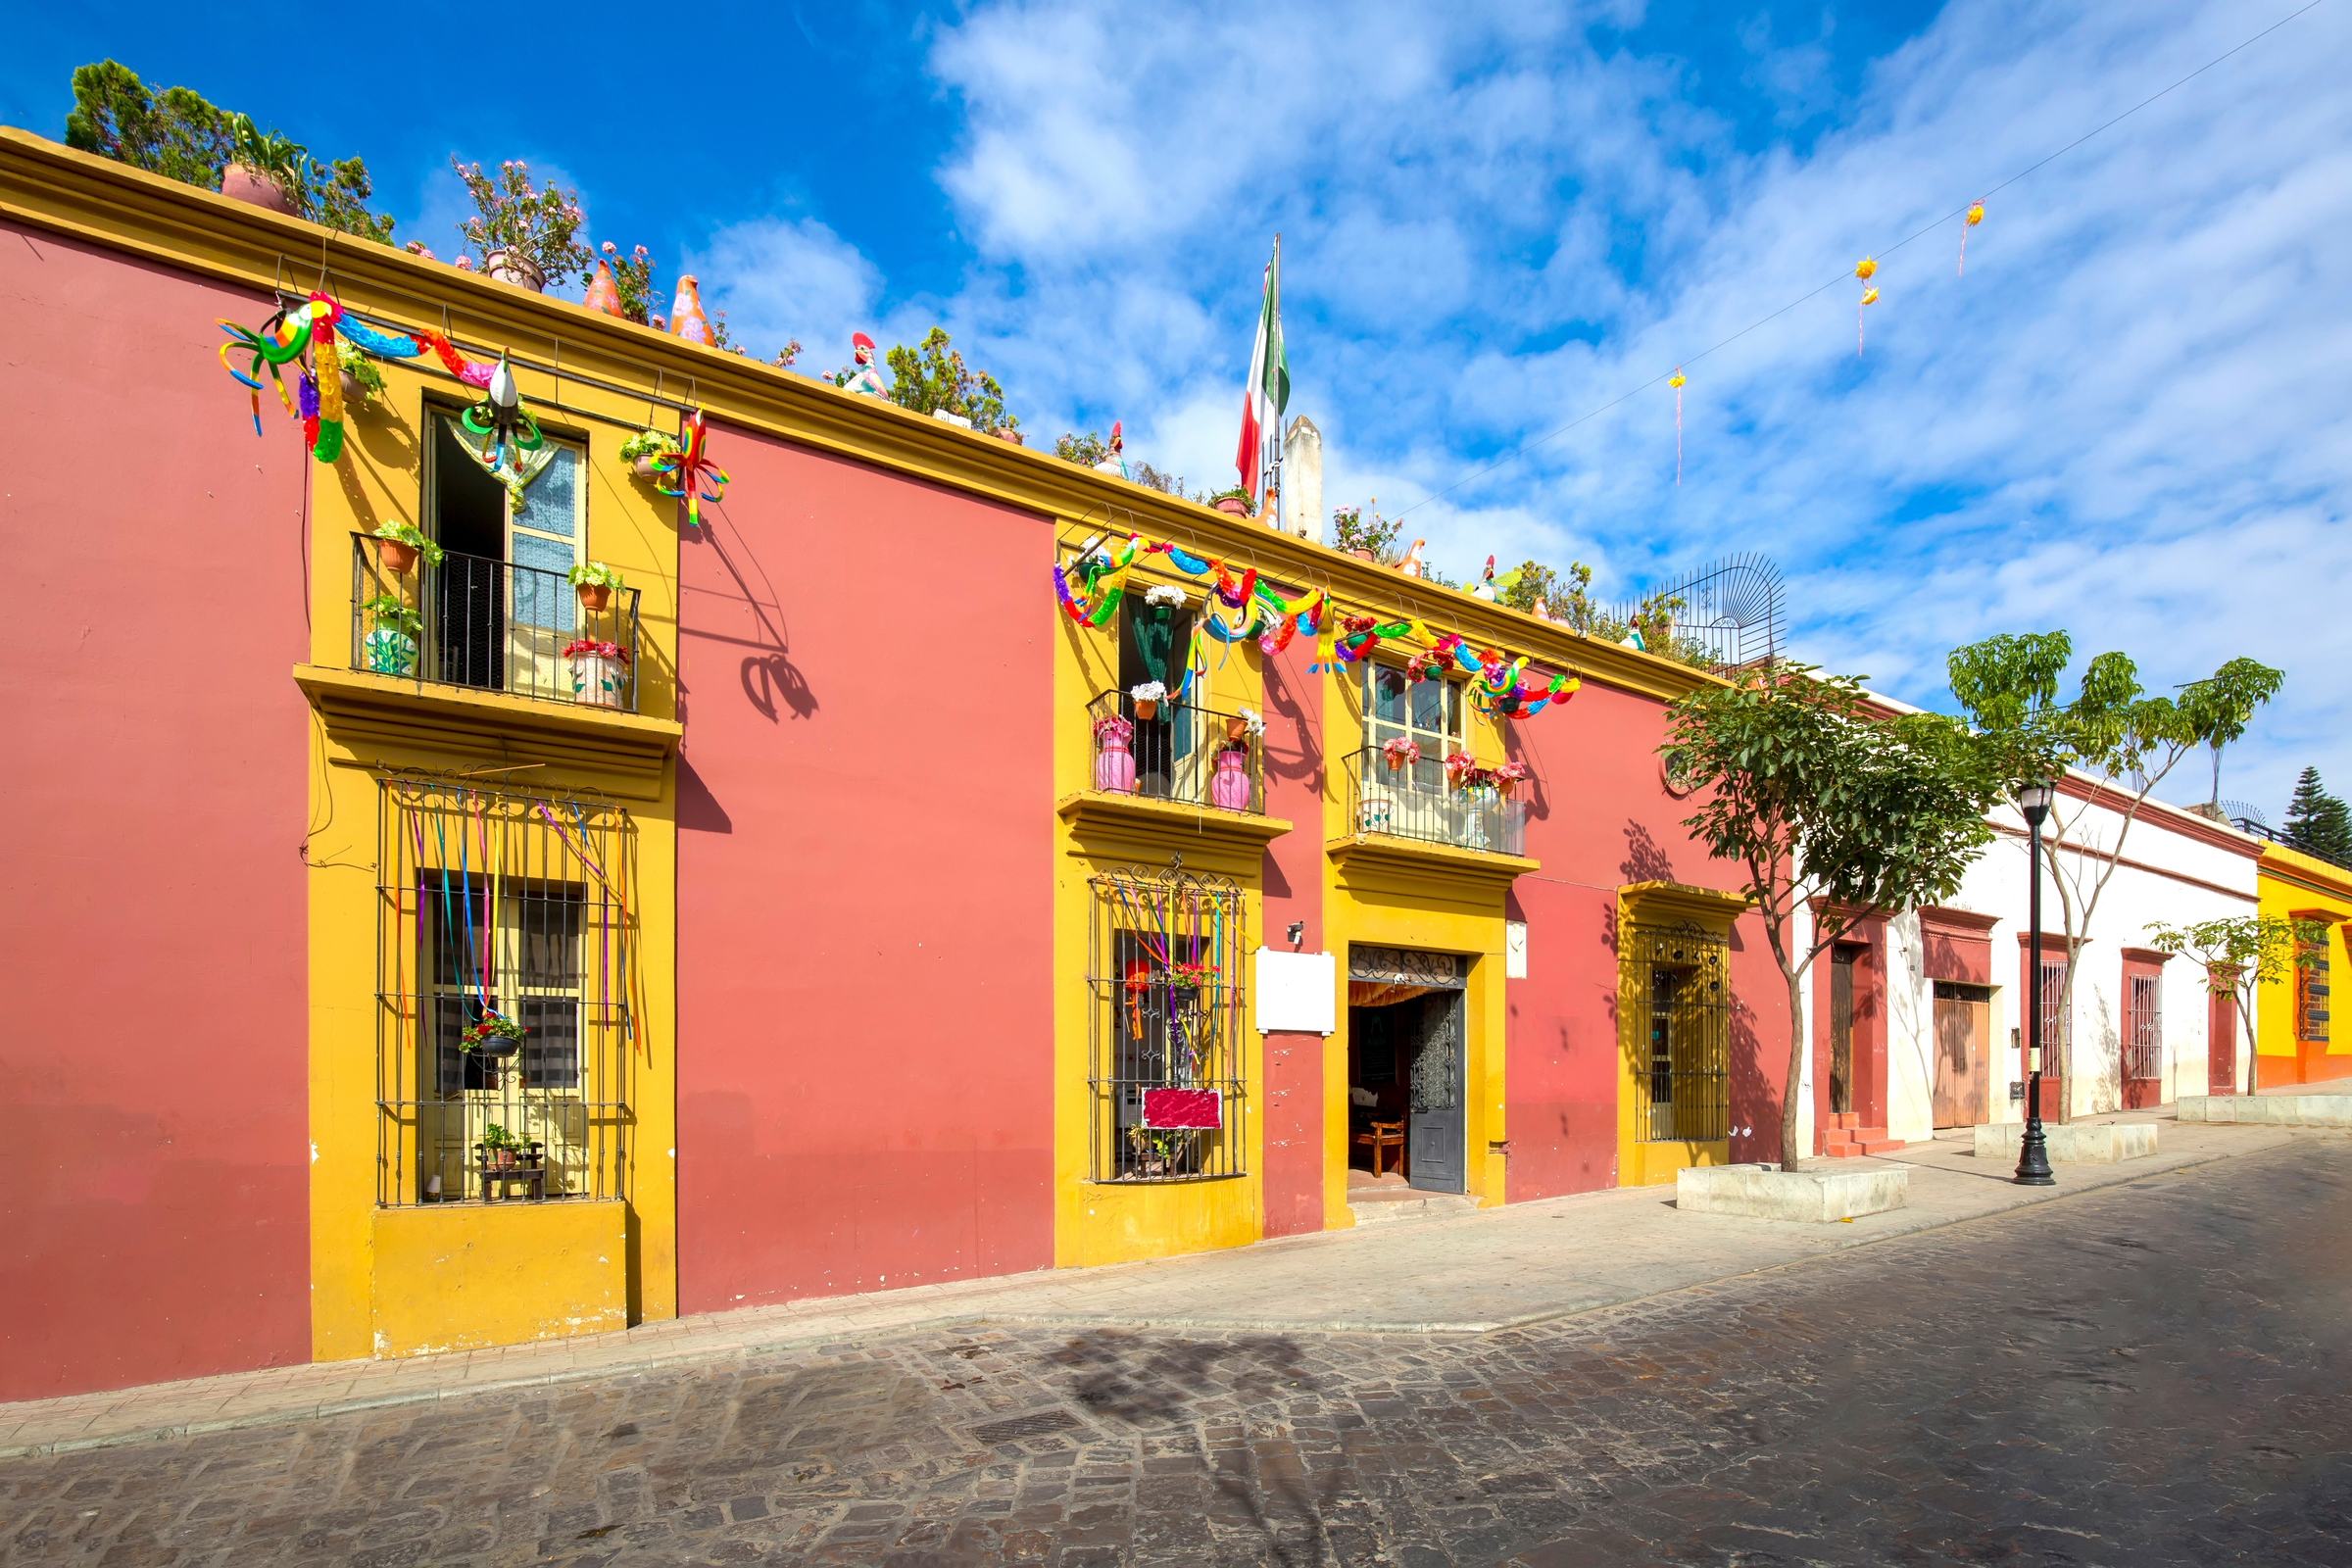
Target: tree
[(2121, 740), (1349, 531), (1530, 581), (1821, 801), (1084, 450), (176, 134), (2242, 953), (935, 380), (2316, 823)]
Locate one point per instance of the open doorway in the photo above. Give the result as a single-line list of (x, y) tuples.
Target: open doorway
[(1406, 1042)]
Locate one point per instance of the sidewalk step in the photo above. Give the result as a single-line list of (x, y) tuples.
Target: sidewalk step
[(1846, 1119), (1883, 1146), (1421, 1206)]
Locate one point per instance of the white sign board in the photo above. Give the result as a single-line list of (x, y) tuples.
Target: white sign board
[(1297, 991), (1514, 949)]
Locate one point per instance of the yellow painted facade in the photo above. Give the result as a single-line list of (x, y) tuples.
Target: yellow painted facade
[(1641, 1160), (2292, 885)]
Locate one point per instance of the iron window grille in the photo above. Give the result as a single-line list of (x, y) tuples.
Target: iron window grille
[(1168, 1092), (2311, 992), (2055, 1024), (1683, 1025), (2144, 1020), (493, 905)]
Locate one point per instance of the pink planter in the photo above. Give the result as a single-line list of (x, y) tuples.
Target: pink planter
[(1114, 766), (1228, 786)]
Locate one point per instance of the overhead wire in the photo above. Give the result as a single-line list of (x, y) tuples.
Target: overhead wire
[(1523, 449)]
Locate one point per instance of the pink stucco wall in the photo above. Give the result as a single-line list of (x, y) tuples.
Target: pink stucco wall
[(154, 1168), (865, 864), (1292, 880)]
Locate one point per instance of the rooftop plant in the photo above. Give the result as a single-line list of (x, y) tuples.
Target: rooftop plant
[(541, 225), (934, 379)]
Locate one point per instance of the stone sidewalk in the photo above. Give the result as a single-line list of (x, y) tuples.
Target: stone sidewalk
[(1489, 1269)]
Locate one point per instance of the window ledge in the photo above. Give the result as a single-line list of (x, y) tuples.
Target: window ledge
[(369, 715), (1386, 853), (1174, 822)]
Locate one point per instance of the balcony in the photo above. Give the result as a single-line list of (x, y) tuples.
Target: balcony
[(1189, 780), (1416, 802), (494, 626)]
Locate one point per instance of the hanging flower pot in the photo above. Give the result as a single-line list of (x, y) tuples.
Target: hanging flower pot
[(512, 266), (595, 597), (1229, 785), (594, 582), (599, 672), (603, 293), (1398, 752), (395, 555)]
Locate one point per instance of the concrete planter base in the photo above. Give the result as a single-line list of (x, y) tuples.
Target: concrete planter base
[(2101, 1144), (1765, 1191), (2274, 1110)]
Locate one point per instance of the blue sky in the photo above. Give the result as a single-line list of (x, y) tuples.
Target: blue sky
[(2128, 418)]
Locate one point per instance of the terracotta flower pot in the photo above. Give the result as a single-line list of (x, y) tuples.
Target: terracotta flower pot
[(603, 293), (506, 267), (1235, 729), (1013, 436), (1361, 555), (354, 394), (1232, 506), (1146, 707), (686, 318), (255, 189), (1393, 760), (594, 597), (395, 555)]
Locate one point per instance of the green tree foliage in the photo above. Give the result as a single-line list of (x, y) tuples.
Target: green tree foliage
[(2241, 954), (1816, 798), (2316, 823), (935, 380), (1084, 450), (1530, 581), (177, 134), (2111, 729)]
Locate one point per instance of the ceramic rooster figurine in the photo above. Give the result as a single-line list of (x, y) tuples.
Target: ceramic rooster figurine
[(1485, 582)]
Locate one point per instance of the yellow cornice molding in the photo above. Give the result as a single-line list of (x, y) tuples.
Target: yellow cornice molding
[(1103, 823), (1393, 858), (111, 205), (1645, 902)]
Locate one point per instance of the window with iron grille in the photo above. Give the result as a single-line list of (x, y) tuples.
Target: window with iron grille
[(2311, 992), (1168, 1027), (2053, 1013), (501, 1000), (2143, 1021), (1683, 1025)]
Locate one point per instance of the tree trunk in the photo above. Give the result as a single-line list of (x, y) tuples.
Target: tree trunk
[(2245, 1012), (1796, 1067)]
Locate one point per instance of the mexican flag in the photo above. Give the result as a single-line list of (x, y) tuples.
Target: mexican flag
[(1268, 390)]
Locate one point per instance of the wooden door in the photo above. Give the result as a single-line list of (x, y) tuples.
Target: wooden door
[(1436, 1161), (1963, 1057), (2221, 1045), (1842, 1027)]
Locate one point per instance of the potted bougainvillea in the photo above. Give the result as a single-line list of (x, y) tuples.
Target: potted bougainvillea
[(599, 672), (525, 235)]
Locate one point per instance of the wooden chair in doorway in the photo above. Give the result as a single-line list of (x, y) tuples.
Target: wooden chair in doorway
[(1384, 1136)]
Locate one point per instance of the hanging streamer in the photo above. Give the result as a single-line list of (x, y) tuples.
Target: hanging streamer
[(1675, 382), (1976, 216), (1870, 296)]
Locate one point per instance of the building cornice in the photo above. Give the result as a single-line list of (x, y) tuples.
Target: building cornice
[(111, 205)]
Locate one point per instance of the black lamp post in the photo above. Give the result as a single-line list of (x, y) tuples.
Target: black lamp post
[(2033, 1152)]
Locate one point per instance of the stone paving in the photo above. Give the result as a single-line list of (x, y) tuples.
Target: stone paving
[(2149, 1373)]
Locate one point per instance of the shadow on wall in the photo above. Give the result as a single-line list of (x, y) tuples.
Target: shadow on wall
[(1645, 861), (1306, 755), (1752, 1084), (699, 811), (771, 680)]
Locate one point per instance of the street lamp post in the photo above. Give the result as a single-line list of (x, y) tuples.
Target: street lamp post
[(2034, 1151)]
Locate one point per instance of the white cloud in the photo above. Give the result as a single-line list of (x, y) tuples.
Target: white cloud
[(780, 280)]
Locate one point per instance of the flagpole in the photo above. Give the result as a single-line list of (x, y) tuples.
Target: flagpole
[(1274, 434)]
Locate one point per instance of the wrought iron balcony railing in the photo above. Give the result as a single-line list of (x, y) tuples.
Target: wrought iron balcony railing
[(1186, 755), (1416, 801), (494, 626)]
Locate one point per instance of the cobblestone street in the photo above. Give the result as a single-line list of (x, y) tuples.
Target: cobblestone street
[(2155, 1373)]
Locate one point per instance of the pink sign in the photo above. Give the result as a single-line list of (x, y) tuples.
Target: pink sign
[(1173, 1109)]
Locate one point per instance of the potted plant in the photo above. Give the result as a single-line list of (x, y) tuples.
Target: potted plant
[(1244, 723), (360, 379), (596, 584), (264, 171), (1461, 769), (646, 448), (493, 1036), (598, 670), (525, 235), (399, 544), (1146, 698), (391, 648), (1114, 764), (1194, 976), (1398, 752), (1234, 503), (501, 1150), (1507, 777)]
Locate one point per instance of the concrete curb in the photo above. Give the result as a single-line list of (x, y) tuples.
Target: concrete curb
[(1904, 1222)]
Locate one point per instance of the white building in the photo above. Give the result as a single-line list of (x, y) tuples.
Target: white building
[(1923, 1029)]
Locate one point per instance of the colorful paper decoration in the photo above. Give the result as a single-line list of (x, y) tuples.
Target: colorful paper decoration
[(1675, 382), (1976, 216), (501, 422), (688, 474), (1870, 296)]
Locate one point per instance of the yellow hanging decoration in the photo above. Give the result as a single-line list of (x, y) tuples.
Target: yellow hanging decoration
[(1976, 216), (1675, 382), (1870, 296)]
